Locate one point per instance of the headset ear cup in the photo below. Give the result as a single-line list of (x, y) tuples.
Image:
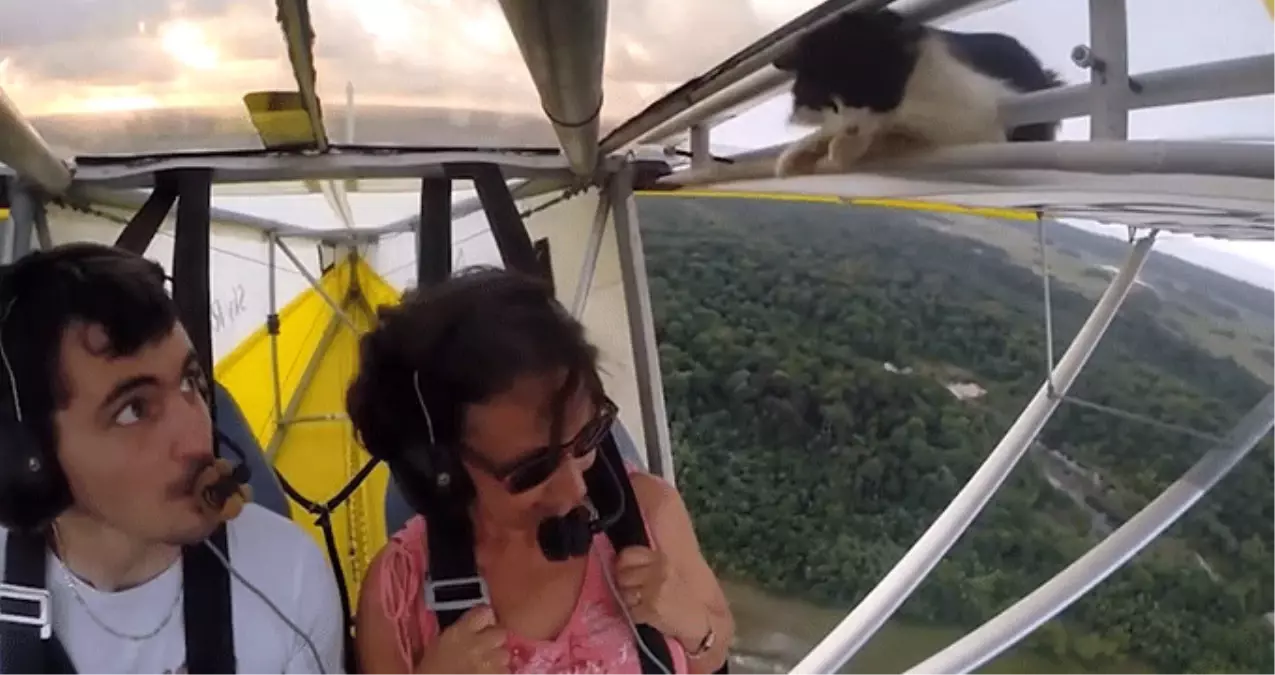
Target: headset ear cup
[(411, 483), (33, 488), (430, 478)]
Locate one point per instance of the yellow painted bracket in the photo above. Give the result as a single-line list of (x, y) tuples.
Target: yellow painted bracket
[(282, 123), (280, 119)]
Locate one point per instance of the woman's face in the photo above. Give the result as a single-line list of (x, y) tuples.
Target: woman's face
[(508, 455)]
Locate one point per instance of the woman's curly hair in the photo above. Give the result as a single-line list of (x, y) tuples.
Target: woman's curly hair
[(466, 339)]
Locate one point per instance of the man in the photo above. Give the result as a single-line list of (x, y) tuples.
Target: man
[(103, 380)]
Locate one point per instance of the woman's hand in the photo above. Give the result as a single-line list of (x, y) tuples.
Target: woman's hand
[(474, 644), (655, 594)]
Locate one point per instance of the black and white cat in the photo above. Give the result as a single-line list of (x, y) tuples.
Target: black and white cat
[(879, 78)]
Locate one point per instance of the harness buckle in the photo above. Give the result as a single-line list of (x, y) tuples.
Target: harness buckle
[(11, 594), (435, 603)]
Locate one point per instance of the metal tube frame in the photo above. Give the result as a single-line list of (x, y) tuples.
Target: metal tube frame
[(563, 45), (351, 162), (88, 195), (1049, 310), (273, 327), (701, 152), (729, 102), (637, 300), (592, 249), (1052, 597), (298, 33), (303, 385), (882, 601), (314, 419), (337, 309), (1109, 75), (42, 235), (26, 213), (1211, 158), (22, 148)]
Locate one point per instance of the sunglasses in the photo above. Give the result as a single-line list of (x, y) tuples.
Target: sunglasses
[(538, 465)]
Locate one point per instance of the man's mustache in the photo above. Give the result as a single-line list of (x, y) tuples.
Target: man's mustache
[(185, 486)]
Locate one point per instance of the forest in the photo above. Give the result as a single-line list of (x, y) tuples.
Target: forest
[(810, 466)]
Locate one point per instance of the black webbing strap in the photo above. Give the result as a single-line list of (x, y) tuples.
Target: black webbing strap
[(210, 638), (453, 569), (210, 644), (22, 647), (452, 585), (206, 607), (627, 530)]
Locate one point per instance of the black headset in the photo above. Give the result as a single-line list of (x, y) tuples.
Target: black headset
[(429, 476), (33, 486)]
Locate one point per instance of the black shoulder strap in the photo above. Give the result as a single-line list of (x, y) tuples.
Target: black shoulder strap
[(627, 530), (210, 643), (27, 642), (452, 584), (24, 601), (210, 636)]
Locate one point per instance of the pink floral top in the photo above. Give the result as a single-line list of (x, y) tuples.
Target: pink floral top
[(596, 639)]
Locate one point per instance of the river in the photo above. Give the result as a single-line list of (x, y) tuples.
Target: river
[(773, 633)]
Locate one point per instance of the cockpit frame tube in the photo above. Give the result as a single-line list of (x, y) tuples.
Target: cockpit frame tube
[(885, 598), (1051, 598), (23, 149), (27, 223), (641, 320)]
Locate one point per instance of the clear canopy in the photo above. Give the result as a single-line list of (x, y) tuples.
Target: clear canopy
[(153, 76)]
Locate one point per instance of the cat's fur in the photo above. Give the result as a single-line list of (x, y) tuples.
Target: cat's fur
[(880, 79)]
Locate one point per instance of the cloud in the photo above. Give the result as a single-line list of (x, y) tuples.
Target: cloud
[(80, 55)]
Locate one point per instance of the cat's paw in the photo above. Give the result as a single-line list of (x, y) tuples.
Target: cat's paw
[(846, 149), (795, 161)]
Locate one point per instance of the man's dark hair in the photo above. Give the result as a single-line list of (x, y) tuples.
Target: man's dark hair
[(44, 292), (468, 339)]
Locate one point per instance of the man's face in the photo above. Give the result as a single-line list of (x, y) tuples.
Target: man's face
[(134, 434)]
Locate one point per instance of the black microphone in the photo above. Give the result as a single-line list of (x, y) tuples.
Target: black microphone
[(222, 487), (569, 535)]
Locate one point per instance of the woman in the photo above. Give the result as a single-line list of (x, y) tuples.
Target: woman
[(489, 375)]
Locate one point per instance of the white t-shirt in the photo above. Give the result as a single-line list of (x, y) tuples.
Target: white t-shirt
[(272, 553)]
